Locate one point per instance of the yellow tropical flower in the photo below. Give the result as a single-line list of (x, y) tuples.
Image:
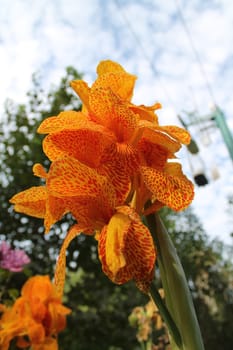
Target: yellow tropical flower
[(36, 317)]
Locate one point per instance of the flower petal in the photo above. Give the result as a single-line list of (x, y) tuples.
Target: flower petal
[(38, 170), (82, 90), (170, 186), (31, 201), (68, 177), (112, 75), (111, 112), (60, 270), (56, 208), (89, 196), (155, 135), (154, 155), (68, 120), (118, 163), (126, 250), (177, 133), (146, 112), (86, 145)]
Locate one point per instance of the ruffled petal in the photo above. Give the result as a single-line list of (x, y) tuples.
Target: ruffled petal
[(89, 196), (177, 133), (155, 135), (126, 250), (36, 202), (146, 112), (70, 178), (68, 120), (112, 75), (86, 145), (111, 112), (170, 186), (108, 66)]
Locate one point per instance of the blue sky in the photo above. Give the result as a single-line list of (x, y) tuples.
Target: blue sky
[(162, 42)]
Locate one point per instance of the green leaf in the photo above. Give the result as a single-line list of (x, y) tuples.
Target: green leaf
[(177, 294)]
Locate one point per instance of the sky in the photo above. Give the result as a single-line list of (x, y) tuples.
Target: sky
[(181, 51)]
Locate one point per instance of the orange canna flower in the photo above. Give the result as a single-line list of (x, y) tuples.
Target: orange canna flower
[(35, 318), (120, 140), (108, 161)]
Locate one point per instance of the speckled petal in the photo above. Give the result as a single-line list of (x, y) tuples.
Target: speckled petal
[(82, 90), (111, 112), (70, 178), (112, 75), (146, 112), (31, 201), (56, 208), (153, 154), (39, 170), (118, 164), (126, 250), (60, 270), (177, 133), (156, 136), (68, 120), (86, 145), (170, 187)]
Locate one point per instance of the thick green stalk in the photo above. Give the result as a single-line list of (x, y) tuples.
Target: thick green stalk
[(173, 330), (177, 295)]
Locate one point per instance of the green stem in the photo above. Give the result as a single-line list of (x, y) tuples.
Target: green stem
[(177, 295), (158, 301)]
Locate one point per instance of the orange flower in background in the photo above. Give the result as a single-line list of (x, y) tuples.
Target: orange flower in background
[(36, 317)]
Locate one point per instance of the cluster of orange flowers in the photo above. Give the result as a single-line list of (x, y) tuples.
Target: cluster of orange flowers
[(36, 317), (108, 161)]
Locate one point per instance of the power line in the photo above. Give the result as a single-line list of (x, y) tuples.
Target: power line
[(195, 51), (143, 51)]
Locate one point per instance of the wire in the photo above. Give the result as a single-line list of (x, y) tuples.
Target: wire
[(143, 51), (196, 54)]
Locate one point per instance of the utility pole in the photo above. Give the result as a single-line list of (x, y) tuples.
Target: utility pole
[(221, 123), (218, 117)]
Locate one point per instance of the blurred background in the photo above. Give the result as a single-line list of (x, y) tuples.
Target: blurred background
[(182, 54)]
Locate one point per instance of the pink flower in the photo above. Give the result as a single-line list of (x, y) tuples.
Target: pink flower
[(12, 259)]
